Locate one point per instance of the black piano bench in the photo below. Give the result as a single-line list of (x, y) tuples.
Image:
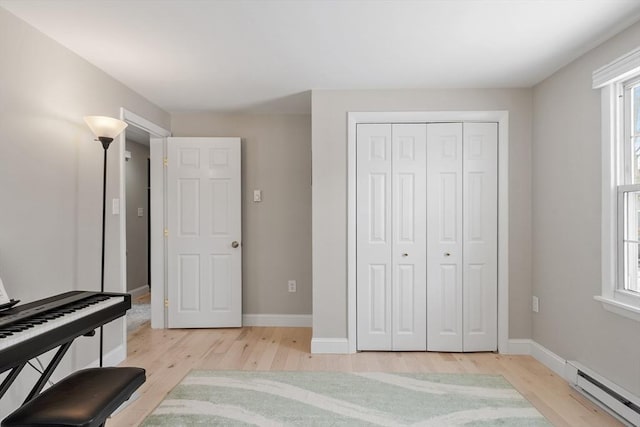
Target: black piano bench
[(85, 398)]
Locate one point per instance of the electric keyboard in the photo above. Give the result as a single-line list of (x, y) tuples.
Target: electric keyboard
[(28, 330)]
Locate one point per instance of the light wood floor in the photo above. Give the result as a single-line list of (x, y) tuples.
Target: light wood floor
[(168, 355)]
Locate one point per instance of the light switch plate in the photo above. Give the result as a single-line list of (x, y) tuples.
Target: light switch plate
[(257, 195), (140, 211), (115, 206)]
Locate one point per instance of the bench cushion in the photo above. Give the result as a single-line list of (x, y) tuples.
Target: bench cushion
[(85, 398)]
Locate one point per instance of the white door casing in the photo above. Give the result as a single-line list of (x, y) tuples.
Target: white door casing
[(349, 345), (391, 237), (444, 228), (204, 257)]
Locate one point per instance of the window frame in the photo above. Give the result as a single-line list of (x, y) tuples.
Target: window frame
[(621, 266), (612, 80)]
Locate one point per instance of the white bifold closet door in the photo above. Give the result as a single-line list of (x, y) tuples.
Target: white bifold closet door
[(391, 237), (462, 229), (427, 236)]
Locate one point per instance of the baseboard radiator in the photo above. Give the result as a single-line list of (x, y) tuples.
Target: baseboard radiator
[(615, 399)]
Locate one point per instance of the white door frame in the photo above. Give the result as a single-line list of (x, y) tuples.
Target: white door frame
[(155, 131), (502, 118)]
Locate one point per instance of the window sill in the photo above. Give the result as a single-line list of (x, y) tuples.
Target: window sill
[(620, 308)]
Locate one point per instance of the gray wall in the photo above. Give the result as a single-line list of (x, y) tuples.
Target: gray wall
[(276, 233), (566, 222), (137, 233), (51, 179), (329, 144)]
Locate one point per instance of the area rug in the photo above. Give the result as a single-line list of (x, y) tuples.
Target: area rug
[(138, 315), (230, 398)]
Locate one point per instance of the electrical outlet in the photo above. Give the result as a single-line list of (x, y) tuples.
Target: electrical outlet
[(535, 305), (292, 285)]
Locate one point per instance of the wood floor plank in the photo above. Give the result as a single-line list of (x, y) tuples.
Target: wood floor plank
[(168, 355)]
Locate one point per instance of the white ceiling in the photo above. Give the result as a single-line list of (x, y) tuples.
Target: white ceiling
[(195, 55)]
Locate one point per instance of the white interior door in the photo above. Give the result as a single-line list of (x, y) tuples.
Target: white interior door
[(391, 233), (204, 261), (444, 228), (480, 241)]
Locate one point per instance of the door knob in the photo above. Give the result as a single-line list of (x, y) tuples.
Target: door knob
[(235, 244), (447, 254), (405, 254)]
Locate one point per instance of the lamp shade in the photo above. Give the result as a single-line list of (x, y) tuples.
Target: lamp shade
[(107, 127)]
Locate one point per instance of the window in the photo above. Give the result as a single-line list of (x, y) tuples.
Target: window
[(620, 86), (629, 192)]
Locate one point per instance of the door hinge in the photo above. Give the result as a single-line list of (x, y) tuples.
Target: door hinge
[(166, 303), (165, 161), (166, 232)]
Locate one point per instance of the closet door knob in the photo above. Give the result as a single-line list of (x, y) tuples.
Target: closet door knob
[(405, 254), (235, 244), (447, 254)]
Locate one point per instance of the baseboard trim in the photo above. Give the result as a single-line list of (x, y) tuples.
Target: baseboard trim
[(113, 358), (330, 345), (519, 346), (282, 320), (542, 354), (549, 359), (144, 289)]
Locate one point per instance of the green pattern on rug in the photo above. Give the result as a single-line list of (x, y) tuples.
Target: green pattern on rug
[(238, 398)]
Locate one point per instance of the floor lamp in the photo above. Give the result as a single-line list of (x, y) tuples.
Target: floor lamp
[(106, 129)]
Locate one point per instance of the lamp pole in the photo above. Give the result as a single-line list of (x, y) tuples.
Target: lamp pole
[(105, 129), (106, 141)]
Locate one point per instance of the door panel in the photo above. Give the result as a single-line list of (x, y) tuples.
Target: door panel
[(189, 282), (480, 236), (409, 237), (444, 231), (221, 266), (220, 198), (374, 237), (189, 207), (378, 284), (391, 233), (203, 219), (449, 299)]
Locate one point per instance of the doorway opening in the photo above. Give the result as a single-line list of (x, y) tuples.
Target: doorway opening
[(137, 214), (144, 130)]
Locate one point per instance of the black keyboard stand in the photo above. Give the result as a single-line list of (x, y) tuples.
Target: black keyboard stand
[(11, 378), (42, 381), (44, 377)]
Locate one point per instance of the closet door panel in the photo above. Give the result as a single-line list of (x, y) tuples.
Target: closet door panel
[(409, 236), (444, 232), (374, 237), (480, 297)]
